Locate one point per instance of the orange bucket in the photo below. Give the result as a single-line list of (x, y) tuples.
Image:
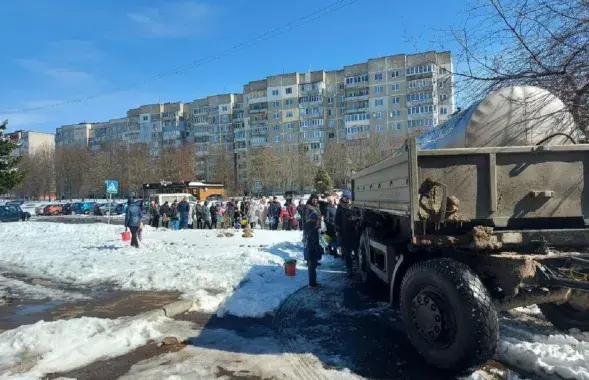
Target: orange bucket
[(126, 236), (290, 267)]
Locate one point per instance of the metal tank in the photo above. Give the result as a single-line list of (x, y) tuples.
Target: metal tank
[(511, 116)]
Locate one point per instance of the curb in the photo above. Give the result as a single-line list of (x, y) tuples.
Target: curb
[(170, 310)]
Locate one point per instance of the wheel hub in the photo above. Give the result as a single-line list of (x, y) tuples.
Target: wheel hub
[(427, 317)]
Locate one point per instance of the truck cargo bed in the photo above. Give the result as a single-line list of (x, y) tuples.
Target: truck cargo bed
[(505, 187)]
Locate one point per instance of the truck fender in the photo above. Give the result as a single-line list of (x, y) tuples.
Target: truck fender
[(396, 278)]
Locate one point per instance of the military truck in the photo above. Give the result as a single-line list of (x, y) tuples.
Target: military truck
[(482, 215)]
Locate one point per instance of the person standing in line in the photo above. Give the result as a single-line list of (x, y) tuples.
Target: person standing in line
[(301, 211), (263, 213), (206, 215), (345, 229), (183, 210), (155, 215), (165, 213), (274, 210), (313, 247), (133, 217), (174, 214), (293, 223), (329, 219), (214, 216)]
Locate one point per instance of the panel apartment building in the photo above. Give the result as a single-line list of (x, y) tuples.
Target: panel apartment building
[(399, 94), (30, 142)]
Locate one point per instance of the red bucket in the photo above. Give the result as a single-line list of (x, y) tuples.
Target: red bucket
[(126, 236), (290, 268)]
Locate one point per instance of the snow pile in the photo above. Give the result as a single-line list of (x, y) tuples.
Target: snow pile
[(531, 344), (14, 288), (198, 263), (31, 351)]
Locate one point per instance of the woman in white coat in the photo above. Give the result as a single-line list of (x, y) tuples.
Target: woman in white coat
[(252, 214)]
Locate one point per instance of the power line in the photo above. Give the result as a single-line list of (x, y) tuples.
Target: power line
[(333, 7)]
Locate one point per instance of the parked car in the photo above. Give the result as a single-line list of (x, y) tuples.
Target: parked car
[(98, 208), (10, 213), (30, 207), (122, 207), (39, 209), (53, 209), (68, 209), (84, 208), (112, 207)]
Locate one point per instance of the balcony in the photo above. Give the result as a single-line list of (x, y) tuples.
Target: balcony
[(311, 115), (357, 107), (256, 110), (356, 96)]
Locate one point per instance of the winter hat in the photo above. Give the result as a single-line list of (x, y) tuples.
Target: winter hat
[(347, 194), (314, 196)]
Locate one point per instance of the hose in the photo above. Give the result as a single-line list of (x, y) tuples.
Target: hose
[(554, 135)]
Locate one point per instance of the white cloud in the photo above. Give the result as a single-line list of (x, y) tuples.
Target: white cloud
[(61, 74), (174, 19), (73, 50)]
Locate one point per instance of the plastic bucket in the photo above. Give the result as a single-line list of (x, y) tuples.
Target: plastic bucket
[(126, 236), (290, 267)]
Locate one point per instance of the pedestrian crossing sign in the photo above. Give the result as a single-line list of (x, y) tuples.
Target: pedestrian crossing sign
[(112, 187)]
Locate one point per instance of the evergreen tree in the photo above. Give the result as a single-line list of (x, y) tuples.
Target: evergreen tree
[(10, 176), (323, 183)]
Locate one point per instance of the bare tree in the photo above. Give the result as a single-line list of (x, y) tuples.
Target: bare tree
[(544, 43)]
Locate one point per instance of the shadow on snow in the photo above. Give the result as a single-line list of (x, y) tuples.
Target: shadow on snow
[(342, 324)]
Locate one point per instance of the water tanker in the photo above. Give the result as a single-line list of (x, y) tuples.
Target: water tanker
[(470, 219), (512, 116)]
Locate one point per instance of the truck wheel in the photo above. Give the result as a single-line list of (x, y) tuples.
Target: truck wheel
[(448, 314), (367, 275), (569, 315)]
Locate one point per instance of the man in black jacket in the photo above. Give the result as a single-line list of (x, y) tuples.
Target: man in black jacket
[(274, 214), (345, 229)]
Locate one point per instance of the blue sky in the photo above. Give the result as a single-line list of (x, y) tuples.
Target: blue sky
[(61, 50)]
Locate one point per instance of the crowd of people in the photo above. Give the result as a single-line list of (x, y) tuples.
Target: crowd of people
[(315, 217)]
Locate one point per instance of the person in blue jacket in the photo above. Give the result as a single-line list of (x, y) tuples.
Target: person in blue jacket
[(184, 210), (133, 217)]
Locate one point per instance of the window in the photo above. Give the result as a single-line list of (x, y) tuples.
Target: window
[(443, 97), (276, 139), (331, 135), (380, 128), (275, 104), (441, 84), (378, 89), (145, 118), (378, 102), (288, 102), (341, 86), (288, 125), (378, 76), (276, 128), (331, 123), (442, 70), (343, 98), (330, 100), (358, 117), (289, 114), (396, 113), (288, 137), (443, 111), (289, 90), (330, 88), (396, 100), (275, 93), (396, 126), (329, 112), (276, 115), (396, 87), (224, 108), (379, 115), (395, 73)]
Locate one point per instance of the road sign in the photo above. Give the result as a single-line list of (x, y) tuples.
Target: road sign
[(112, 187)]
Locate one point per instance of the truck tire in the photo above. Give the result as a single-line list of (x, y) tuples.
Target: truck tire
[(566, 316), (366, 274), (448, 315)]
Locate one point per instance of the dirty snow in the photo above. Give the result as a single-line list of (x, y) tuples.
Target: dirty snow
[(198, 263), (220, 353), (29, 352)]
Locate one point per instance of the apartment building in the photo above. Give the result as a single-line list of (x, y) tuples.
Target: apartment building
[(400, 95), (30, 142), (73, 135)]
